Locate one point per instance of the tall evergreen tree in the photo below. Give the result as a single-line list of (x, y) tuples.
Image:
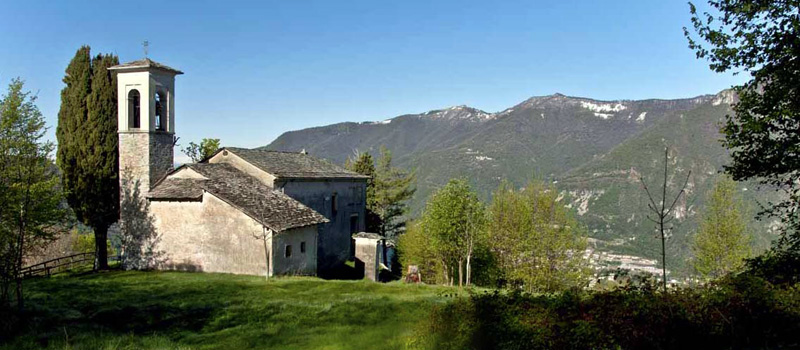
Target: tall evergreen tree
[(87, 144), (365, 165), (393, 187)]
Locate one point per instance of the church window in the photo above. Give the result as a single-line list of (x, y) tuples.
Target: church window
[(288, 252), (134, 112), (160, 110), (303, 247)]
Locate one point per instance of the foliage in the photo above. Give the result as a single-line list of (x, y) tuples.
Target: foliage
[(454, 218), (760, 38), (393, 187), (138, 235), (780, 267), (205, 149), (537, 242), (87, 143), (30, 198), (388, 191), (415, 247), (722, 242), (84, 243), (178, 310), (740, 312)]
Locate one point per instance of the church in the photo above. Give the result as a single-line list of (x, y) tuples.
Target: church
[(243, 211)]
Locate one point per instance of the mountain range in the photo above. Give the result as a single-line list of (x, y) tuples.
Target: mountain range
[(594, 152)]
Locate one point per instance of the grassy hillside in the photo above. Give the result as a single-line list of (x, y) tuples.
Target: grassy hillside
[(172, 310)]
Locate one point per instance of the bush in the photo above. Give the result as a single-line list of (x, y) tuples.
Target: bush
[(738, 312)]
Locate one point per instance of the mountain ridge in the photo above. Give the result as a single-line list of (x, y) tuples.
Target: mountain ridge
[(592, 150)]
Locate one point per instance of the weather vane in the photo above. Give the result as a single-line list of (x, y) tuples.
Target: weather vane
[(145, 44)]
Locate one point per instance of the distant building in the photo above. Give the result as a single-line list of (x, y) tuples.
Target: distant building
[(209, 214)]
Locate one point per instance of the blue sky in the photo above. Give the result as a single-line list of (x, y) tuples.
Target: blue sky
[(257, 69)]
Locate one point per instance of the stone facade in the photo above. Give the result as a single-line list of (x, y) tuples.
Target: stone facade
[(209, 216), (212, 236), (369, 254), (318, 194), (348, 218), (146, 156)]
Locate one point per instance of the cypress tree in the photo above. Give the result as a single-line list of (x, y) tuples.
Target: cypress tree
[(87, 139)]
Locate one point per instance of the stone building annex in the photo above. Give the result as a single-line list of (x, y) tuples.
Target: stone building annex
[(212, 215)]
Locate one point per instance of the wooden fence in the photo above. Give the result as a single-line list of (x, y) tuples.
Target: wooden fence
[(58, 264)]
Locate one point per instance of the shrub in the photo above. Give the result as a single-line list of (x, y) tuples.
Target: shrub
[(742, 311)]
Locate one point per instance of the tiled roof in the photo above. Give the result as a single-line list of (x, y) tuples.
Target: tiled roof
[(271, 208), (293, 164), (173, 188), (144, 63)]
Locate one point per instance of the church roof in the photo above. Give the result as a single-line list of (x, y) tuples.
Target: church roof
[(271, 208), (145, 63), (297, 165)]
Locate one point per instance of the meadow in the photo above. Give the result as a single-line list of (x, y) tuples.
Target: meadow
[(180, 310)]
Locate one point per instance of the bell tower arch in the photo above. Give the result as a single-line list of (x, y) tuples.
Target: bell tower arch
[(146, 120)]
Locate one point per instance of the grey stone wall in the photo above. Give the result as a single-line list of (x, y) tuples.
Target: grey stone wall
[(333, 247), (145, 156), (300, 262), (161, 156), (212, 236), (368, 254)]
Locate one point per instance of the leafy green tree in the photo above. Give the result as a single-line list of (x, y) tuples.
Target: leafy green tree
[(722, 242), (760, 38), (88, 153), (30, 195), (454, 219), (205, 149), (538, 244), (415, 247)]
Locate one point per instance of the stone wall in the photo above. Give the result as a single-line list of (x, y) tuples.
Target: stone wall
[(300, 262), (145, 156), (161, 155), (213, 236), (335, 236)]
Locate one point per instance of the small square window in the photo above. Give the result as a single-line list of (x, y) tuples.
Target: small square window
[(288, 252), (303, 247)]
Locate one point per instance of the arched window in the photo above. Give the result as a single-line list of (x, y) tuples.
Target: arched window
[(134, 113), (160, 110)]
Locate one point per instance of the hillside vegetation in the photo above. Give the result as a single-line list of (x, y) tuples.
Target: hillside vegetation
[(172, 310), (592, 151)]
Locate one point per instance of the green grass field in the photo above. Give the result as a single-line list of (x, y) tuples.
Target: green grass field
[(173, 310)]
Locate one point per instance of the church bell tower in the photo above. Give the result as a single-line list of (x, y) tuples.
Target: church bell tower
[(146, 120)]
